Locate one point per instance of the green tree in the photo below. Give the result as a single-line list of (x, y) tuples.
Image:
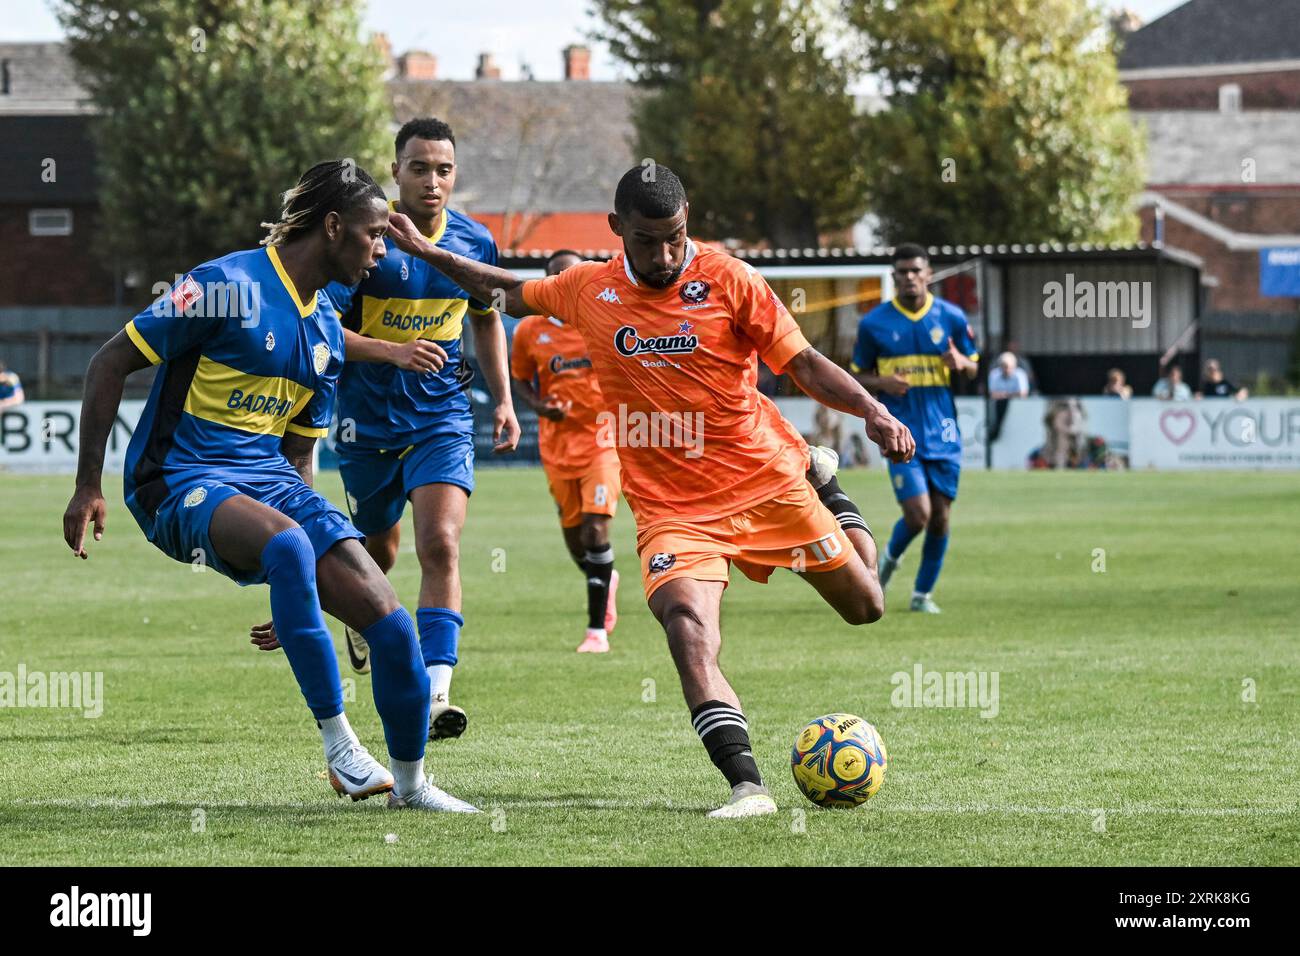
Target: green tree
[(743, 101), (208, 110), (1006, 122)]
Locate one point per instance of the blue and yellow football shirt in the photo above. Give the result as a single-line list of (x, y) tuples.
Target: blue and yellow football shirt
[(893, 340), (405, 298), (243, 360)]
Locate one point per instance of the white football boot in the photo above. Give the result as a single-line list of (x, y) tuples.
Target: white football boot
[(445, 719), (429, 797), (356, 774), (823, 463), (358, 651), (747, 800)]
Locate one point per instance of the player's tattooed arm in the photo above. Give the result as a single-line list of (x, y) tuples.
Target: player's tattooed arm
[(823, 380), (298, 449), (499, 288), (105, 379)]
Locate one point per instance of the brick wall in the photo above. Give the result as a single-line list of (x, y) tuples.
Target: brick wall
[(1259, 91), (52, 270)]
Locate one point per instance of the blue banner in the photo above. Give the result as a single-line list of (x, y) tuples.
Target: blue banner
[(1279, 271)]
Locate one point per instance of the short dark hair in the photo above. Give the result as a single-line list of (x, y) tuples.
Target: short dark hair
[(910, 250), (559, 254), (334, 186), (652, 190), (423, 127)]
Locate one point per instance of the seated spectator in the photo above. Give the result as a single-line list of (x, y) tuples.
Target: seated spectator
[(1006, 380), (1172, 387), (11, 389), (1214, 385), (1117, 384)]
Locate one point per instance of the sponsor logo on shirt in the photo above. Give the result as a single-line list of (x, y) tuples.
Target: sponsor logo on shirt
[(629, 342), (254, 404), (559, 363), (417, 322)]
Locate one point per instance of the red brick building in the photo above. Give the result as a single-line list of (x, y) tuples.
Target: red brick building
[(1216, 86), (48, 183)]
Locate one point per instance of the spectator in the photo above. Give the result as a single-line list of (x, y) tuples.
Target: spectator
[(1007, 380), (828, 428), (1172, 387), (1117, 384), (1023, 364), (1214, 385), (11, 389)]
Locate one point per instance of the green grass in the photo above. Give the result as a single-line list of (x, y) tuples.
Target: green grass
[(1119, 692)]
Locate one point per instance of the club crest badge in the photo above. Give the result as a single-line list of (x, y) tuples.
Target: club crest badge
[(936, 335), (195, 497), (270, 341), (661, 562), (320, 357), (695, 292)]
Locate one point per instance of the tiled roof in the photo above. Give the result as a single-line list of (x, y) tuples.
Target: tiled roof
[(529, 146), (42, 80), (1212, 32)]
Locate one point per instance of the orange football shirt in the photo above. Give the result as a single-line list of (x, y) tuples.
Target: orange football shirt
[(555, 352), (678, 369)]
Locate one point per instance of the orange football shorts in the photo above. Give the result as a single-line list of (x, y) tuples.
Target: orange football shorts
[(793, 530), (595, 492)]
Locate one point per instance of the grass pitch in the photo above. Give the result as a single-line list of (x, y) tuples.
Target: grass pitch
[(1146, 714)]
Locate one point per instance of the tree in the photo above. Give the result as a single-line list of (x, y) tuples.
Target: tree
[(747, 106), (208, 111), (1006, 122)]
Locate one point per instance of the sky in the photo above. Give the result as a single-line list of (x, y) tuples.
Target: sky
[(514, 31)]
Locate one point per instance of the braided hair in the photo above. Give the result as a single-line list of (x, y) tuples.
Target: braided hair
[(334, 186)]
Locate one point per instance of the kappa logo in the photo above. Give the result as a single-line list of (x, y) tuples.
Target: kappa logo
[(695, 292), (320, 357), (543, 339), (270, 341), (196, 497), (661, 562), (609, 295)]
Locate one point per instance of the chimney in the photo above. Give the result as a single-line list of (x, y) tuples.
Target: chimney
[(385, 49), (417, 65), (487, 68), (577, 62)]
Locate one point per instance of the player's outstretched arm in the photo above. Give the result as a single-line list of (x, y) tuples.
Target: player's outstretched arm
[(417, 355), (829, 384), (500, 288), (105, 379)]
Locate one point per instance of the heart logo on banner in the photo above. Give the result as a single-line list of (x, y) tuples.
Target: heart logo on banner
[(1177, 424)]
